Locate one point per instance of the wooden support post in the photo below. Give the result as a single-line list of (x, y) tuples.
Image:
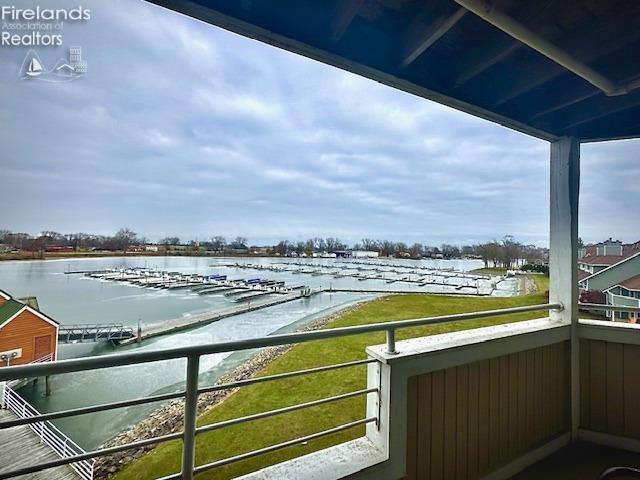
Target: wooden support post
[(563, 253)]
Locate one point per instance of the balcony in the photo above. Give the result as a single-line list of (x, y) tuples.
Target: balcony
[(489, 402)]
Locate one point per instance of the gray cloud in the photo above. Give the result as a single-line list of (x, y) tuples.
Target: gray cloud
[(183, 128)]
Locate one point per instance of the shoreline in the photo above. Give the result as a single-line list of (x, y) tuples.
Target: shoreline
[(34, 256), (168, 418)]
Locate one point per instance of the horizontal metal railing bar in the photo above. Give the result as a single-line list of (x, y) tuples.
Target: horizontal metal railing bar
[(279, 446), (149, 441), (106, 361), (89, 455), (279, 411), (615, 308), (281, 376), (172, 396), (92, 409)]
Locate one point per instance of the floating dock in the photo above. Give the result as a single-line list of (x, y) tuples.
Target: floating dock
[(197, 320)]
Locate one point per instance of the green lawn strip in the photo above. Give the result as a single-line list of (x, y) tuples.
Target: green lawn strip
[(490, 271), (230, 441), (542, 282)]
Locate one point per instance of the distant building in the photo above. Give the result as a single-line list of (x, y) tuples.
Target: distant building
[(364, 254), (59, 248), (612, 268), (26, 334)]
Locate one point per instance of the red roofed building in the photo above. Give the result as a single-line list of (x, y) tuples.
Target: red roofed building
[(612, 268), (26, 334)]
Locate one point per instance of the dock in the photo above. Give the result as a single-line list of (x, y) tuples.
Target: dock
[(404, 292), (191, 321), (41, 442)]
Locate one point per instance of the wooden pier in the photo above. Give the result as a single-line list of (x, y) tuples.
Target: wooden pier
[(405, 292), (197, 320), (21, 447), (25, 445)]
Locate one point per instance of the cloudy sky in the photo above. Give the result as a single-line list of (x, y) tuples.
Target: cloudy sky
[(180, 128)]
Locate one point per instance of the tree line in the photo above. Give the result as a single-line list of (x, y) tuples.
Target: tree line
[(503, 253)]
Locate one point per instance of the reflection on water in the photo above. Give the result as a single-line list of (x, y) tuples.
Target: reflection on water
[(77, 299)]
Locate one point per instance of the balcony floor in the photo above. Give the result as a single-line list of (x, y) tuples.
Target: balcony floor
[(582, 461)]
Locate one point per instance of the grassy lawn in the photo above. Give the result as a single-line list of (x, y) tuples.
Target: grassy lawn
[(165, 459), (542, 282), (490, 271)]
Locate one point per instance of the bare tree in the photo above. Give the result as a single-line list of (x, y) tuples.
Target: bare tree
[(218, 243), (240, 242), (124, 238)]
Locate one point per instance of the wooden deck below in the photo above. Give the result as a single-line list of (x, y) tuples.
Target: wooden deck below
[(21, 447)]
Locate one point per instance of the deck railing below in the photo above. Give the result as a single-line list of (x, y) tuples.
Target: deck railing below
[(48, 433)]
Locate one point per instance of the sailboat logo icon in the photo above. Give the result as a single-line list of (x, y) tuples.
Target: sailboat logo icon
[(35, 68), (65, 70)]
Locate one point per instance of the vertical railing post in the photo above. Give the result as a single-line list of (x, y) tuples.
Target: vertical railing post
[(391, 341), (563, 253), (190, 415)]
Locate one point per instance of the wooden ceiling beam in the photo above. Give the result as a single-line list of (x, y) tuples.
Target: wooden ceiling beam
[(571, 99), (486, 59), (586, 44), (486, 56), (613, 106), (347, 11), (421, 38)]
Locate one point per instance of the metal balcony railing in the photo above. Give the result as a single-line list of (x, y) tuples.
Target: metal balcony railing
[(192, 354), (604, 306)]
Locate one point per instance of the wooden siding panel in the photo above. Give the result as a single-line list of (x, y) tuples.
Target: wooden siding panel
[(480, 416), (450, 410), (413, 420), (610, 388), (585, 384), (503, 420), (615, 388), (522, 401), (513, 405), (631, 375), (462, 419), (21, 333), (494, 412), (538, 407), (424, 429), (473, 421), (483, 416), (598, 386), (437, 425)]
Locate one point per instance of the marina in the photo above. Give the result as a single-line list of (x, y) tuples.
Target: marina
[(175, 309)]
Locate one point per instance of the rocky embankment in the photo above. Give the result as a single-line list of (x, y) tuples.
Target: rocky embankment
[(169, 417)]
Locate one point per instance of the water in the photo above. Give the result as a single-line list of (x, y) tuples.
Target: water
[(78, 299)]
